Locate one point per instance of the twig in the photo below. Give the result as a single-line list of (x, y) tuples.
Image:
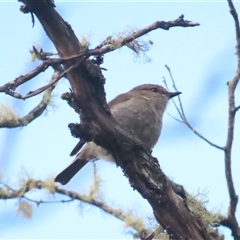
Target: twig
[(175, 105), (110, 44), (10, 87), (178, 120), (38, 202), (182, 113), (93, 199), (31, 184), (33, 114), (231, 220), (237, 108), (56, 78), (105, 47)]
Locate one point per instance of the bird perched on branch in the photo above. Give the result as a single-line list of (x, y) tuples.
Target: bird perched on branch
[(140, 111)]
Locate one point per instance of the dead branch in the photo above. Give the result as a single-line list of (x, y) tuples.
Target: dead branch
[(136, 161), (111, 44), (106, 46), (13, 122), (10, 87), (94, 198), (182, 115), (9, 193), (237, 108), (231, 220)]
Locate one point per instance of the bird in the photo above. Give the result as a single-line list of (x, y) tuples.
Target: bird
[(140, 111)]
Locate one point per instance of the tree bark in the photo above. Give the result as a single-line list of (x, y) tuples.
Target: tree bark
[(98, 125)]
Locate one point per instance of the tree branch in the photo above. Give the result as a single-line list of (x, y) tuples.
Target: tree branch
[(237, 108), (182, 113), (110, 44), (107, 46), (10, 120), (9, 87), (136, 161), (231, 220), (91, 198), (94, 198)]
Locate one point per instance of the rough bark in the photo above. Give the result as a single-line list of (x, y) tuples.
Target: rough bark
[(138, 165)]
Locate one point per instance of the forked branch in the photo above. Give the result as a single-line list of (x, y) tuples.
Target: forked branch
[(231, 220), (183, 118)]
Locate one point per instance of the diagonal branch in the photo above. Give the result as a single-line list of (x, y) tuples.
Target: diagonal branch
[(93, 197), (11, 86), (106, 46), (182, 113), (56, 78), (131, 155), (132, 221), (14, 121), (237, 108)]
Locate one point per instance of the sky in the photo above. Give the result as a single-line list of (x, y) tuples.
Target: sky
[(202, 59)]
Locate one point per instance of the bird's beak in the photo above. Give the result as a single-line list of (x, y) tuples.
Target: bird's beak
[(173, 94)]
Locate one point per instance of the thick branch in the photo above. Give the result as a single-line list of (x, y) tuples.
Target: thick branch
[(136, 161)]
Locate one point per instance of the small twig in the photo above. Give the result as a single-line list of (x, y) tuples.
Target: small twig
[(32, 115), (57, 77), (89, 199), (107, 46), (111, 44), (175, 88), (93, 199), (10, 87), (40, 54), (237, 108), (176, 118), (182, 113), (236, 21), (38, 202), (174, 103)]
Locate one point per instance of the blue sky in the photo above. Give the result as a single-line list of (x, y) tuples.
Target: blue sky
[(202, 60)]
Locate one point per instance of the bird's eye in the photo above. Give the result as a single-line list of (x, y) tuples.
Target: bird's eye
[(154, 89)]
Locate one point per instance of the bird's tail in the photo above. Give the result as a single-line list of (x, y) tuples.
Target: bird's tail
[(69, 172)]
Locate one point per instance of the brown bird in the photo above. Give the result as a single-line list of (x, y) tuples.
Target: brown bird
[(140, 111)]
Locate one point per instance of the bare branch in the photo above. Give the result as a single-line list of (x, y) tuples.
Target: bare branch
[(237, 108), (107, 46), (57, 77), (178, 120), (110, 44), (9, 87), (129, 152), (195, 203), (30, 184), (231, 220), (6, 122), (182, 113), (236, 22)]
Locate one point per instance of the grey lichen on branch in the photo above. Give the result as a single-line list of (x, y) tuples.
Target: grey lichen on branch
[(135, 160)]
